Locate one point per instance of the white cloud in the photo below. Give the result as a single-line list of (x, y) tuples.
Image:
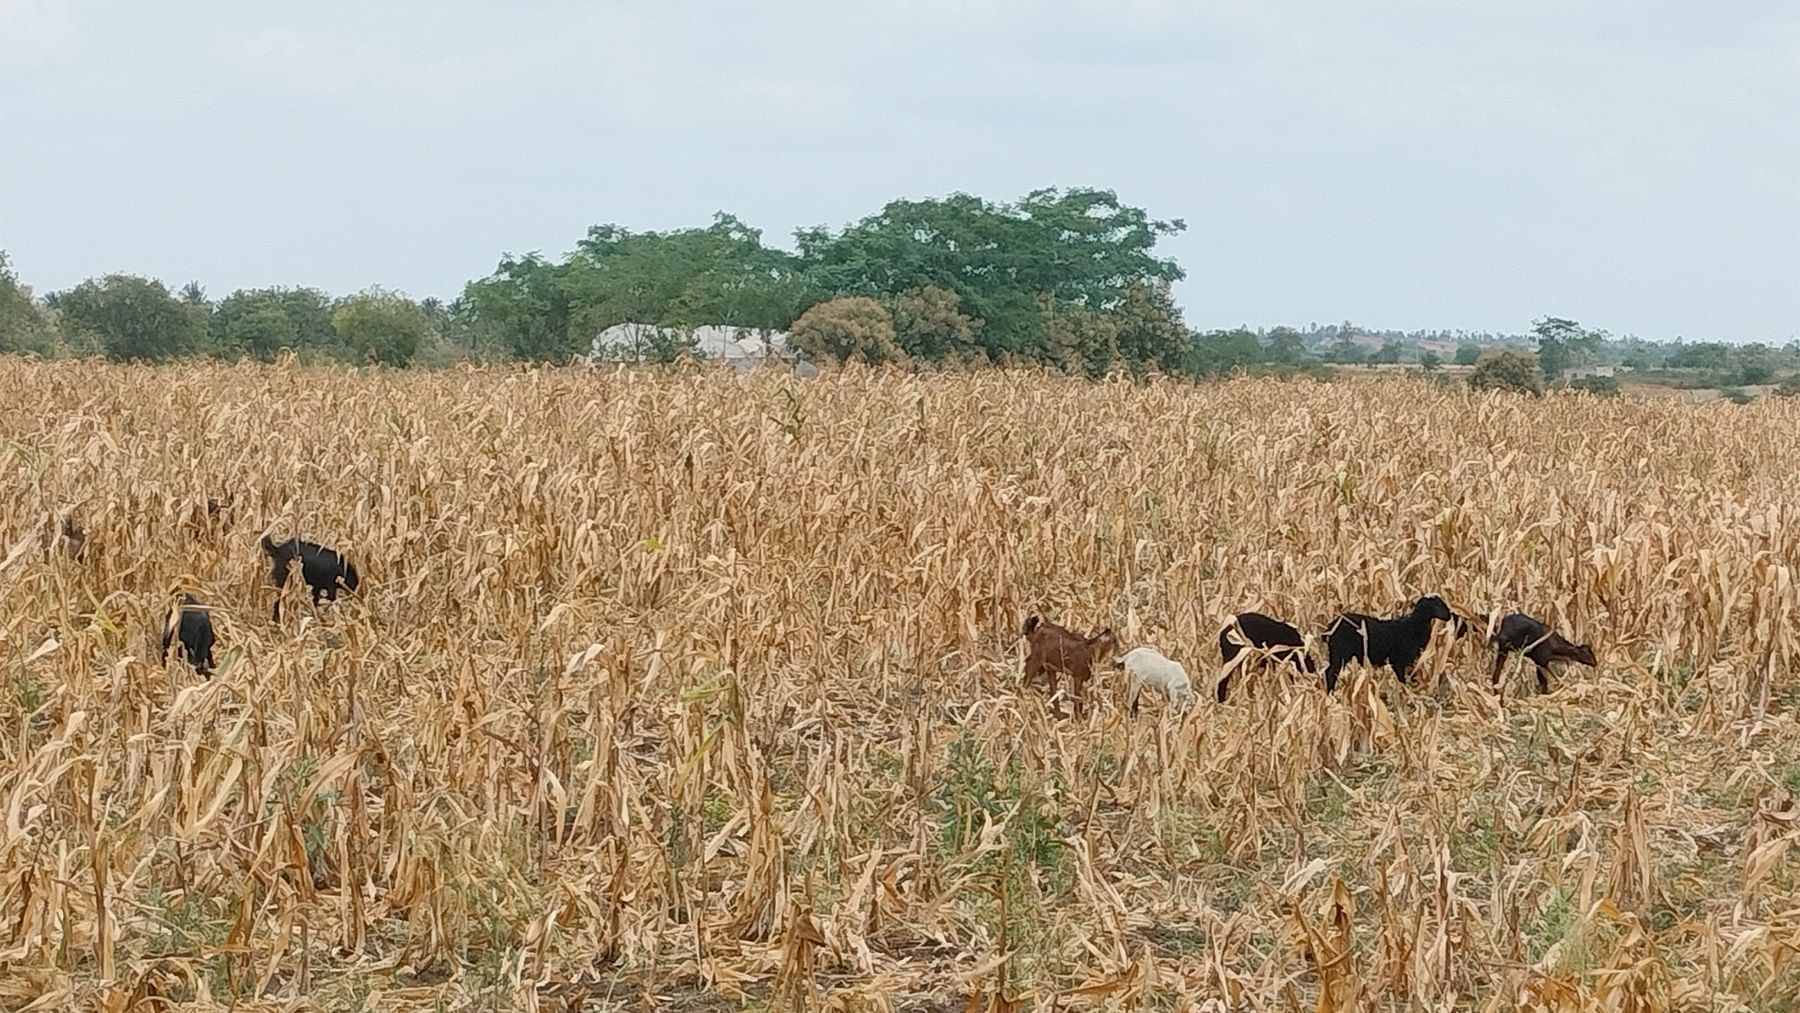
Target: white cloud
[(395, 79), (34, 32)]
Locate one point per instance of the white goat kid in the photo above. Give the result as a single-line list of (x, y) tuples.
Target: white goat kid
[(1146, 668)]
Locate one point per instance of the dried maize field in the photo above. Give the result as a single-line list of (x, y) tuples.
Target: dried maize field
[(681, 690)]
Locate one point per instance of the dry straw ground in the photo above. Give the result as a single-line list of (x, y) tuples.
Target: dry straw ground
[(686, 691)]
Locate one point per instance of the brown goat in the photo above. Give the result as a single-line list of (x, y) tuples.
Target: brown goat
[(1056, 651), (1519, 633)]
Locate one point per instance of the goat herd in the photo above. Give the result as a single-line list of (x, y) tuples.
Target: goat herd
[(324, 570), (1395, 643)]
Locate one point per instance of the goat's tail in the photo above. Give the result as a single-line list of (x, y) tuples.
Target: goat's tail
[(1031, 623)]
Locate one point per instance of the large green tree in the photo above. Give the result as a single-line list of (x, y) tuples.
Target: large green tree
[(24, 325), (1219, 353), (666, 281), (261, 322), (1287, 346), (1755, 363), (721, 274), (1564, 344), (1078, 247), (524, 308), (135, 319), (381, 326)]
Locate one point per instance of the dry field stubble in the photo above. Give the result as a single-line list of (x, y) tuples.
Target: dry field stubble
[(684, 691)]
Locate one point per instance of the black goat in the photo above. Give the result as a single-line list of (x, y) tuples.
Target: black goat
[(324, 570), (1396, 643), (1522, 634), (1266, 633), (194, 628)]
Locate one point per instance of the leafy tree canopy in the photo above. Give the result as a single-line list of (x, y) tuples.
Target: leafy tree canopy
[(721, 274), (261, 322), (381, 326), (24, 326), (524, 307), (1077, 247), (1219, 353), (135, 319), (1564, 344)]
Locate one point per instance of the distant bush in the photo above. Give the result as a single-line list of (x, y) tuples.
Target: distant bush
[(1507, 370), (1789, 387), (1737, 395), (842, 330), (1603, 386)]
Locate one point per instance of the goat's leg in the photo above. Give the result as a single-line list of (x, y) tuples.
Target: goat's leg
[(1078, 689), (1400, 669), (1034, 670), (1331, 674), (1499, 663), (1228, 652), (1543, 674)]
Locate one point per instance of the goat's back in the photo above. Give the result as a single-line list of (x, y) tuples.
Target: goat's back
[(1518, 631), (1147, 661), (1265, 631)]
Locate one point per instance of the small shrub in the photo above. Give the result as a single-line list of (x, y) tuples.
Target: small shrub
[(1601, 386), (1508, 370), (1737, 395)]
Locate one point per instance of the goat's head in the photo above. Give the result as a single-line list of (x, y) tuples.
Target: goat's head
[(1433, 607), (1584, 653)]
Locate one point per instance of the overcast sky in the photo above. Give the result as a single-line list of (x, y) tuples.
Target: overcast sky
[(1635, 165)]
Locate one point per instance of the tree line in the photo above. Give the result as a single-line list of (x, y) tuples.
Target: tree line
[(1064, 278), (1068, 278)]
